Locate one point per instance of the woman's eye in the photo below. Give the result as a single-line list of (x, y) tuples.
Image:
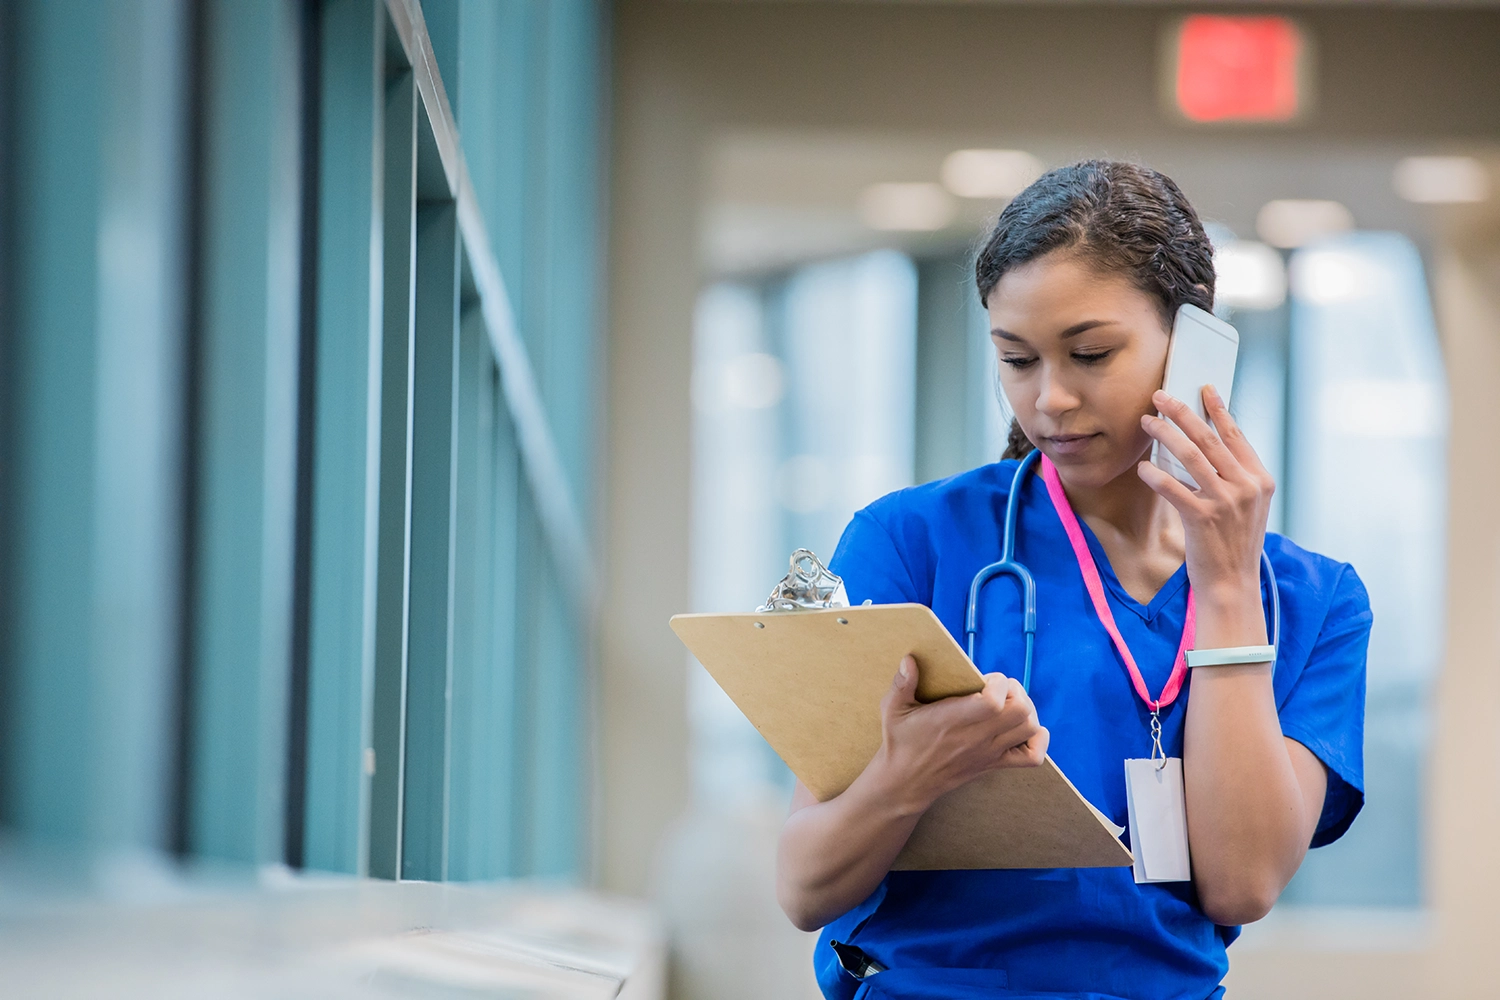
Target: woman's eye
[(1019, 363), (1091, 358)]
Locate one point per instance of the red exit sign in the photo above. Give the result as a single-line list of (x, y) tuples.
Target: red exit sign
[(1239, 69)]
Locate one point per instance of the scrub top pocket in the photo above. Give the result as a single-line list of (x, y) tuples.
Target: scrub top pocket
[(963, 984), (955, 984)]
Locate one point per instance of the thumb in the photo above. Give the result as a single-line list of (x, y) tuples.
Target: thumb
[(904, 685)]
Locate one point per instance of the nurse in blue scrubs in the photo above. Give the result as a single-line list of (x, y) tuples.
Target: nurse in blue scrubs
[(1082, 277)]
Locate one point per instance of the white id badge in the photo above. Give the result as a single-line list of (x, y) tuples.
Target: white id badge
[(1158, 820)]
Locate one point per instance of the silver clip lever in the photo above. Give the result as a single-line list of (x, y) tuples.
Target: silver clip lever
[(808, 586)]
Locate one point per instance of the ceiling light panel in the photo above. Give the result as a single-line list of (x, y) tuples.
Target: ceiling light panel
[(906, 207), (1295, 222), (1248, 275), (1442, 180), (990, 173)]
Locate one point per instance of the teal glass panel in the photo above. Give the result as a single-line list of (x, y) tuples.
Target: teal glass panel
[(530, 79), (470, 820), (442, 21), (346, 460), (94, 324), (59, 128), (245, 431), (530, 596), (505, 712), (555, 807), (569, 184), (388, 717), (550, 704), (535, 72), (496, 107), (430, 598)]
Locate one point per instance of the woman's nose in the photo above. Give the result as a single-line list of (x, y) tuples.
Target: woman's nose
[(1053, 397)]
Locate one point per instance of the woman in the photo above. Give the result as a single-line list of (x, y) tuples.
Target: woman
[(1082, 278)]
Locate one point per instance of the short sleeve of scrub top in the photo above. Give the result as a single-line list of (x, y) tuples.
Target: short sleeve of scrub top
[(1087, 933)]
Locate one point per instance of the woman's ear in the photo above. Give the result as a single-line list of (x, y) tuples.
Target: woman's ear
[(1207, 296)]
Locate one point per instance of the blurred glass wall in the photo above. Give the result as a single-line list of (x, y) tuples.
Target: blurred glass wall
[(804, 389), (1367, 484), (300, 338)]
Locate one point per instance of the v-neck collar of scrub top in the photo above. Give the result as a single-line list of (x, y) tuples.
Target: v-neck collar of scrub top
[(1146, 612)]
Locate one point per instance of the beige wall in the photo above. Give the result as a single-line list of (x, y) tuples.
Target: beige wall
[(690, 71), (1464, 863), (642, 771)]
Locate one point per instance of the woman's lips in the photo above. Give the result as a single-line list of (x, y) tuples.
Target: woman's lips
[(1070, 444)]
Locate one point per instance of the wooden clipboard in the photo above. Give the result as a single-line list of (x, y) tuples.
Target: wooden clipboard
[(811, 682)]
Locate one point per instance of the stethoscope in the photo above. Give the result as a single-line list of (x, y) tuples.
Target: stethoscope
[(1008, 566)]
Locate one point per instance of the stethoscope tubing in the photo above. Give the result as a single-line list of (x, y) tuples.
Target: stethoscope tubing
[(1007, 565)]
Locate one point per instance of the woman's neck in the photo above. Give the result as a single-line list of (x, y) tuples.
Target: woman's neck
[(1126, 504), (1141, 533)]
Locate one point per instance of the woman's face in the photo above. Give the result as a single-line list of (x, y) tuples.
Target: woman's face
[(1080, 354)]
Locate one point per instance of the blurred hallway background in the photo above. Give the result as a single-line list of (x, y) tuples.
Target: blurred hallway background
[(825, 144), (377, 377)]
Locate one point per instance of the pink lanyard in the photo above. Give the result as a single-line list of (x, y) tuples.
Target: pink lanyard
[(1095, 585)]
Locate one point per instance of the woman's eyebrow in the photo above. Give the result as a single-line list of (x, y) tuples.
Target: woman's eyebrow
[(1071, 331), (1086, 325)]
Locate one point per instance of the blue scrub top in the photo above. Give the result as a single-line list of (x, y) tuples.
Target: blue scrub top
[(1079, 932)]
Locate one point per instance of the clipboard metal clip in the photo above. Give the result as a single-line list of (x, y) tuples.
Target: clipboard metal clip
[(808, 586)]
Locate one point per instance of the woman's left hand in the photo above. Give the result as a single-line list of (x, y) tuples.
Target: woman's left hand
[(1225, 520)]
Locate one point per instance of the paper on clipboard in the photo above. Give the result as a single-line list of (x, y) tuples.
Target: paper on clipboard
[(811, 682)]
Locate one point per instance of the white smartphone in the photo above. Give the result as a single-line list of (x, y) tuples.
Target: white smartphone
[(1203, 351)]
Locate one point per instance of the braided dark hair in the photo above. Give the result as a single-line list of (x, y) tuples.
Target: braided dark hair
[(1120, 218)]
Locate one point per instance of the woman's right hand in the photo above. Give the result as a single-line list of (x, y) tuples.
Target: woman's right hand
[(833, 854), (929, 749)]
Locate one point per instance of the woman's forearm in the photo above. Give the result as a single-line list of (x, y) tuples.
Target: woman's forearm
[(833, 854), (1247, 807)]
